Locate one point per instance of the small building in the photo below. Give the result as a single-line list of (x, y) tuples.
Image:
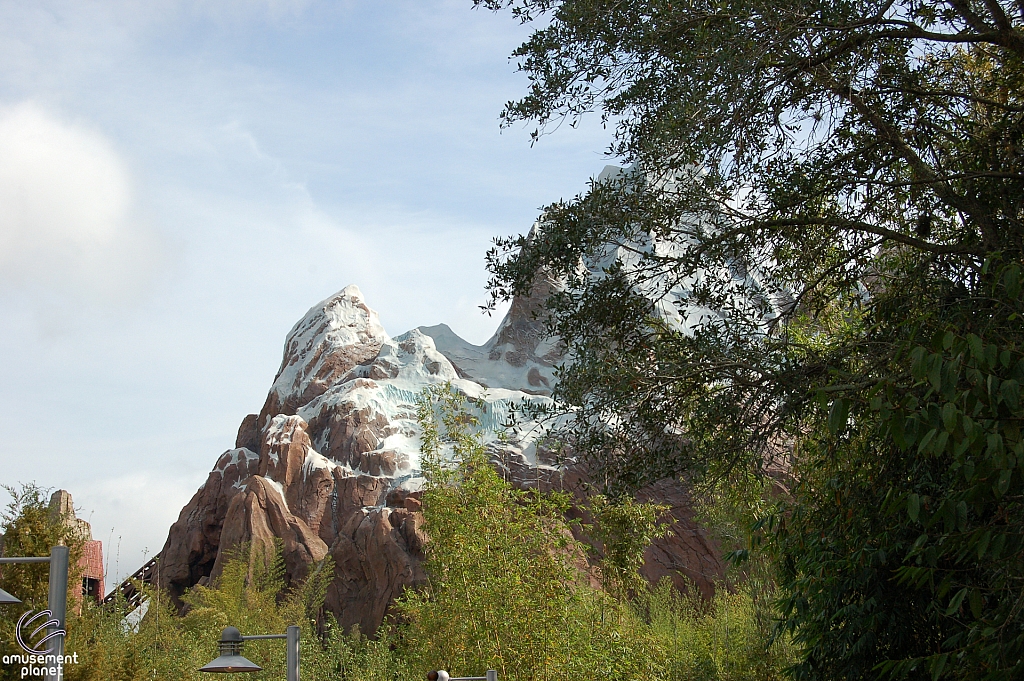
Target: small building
[(91, 563)]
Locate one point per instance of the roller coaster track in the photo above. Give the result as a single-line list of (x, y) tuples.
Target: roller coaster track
[(147, 574)]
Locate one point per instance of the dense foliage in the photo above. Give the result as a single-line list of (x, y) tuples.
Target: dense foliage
[(113, 645), (31, 528), (511, 590), (250, 595), (508, 586), (816, 256), (722, 639)]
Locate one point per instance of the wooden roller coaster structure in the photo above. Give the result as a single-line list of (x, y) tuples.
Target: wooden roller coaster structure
[(129, 589)]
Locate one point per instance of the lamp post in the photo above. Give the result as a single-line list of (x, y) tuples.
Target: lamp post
[(231, 661), (7, 599), (57, 597), (442, 675)]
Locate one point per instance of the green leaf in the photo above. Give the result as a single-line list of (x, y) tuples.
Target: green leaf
[(968, 470), (913, 506), (838, 415), (939, 665), (997, 546), (976, 604), (961, 447), (1012, 280), (896, 427), (926, 440), (976, 346), (949, 413), (991, 355), (993, 444), (917, 364), (821, 397), (1010, 392), (983, 544), (1003, 483), (954, 604), (935, 371)]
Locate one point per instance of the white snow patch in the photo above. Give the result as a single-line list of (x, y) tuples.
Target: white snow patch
[(279, 433), (474, 361), (315, 461), (233, 456), (280, 490), (339, 322)]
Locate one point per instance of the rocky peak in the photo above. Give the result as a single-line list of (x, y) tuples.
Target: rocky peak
[(522, 336), (332, 338), (519, 356), (62, 509)]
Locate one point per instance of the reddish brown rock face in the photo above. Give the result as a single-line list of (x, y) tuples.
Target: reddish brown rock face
[(352, 432), (330, 465), (256, 517), (315, 508), (686, 555), (248, 434), (194, 541), (377, 553)]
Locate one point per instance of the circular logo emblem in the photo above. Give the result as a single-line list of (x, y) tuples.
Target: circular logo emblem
[(26, 621)]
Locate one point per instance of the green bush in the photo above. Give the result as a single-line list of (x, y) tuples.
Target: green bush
[(724, 639), (250, 594), (505, 588)]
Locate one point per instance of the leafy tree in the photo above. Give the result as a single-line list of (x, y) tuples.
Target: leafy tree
[(507, 585), (816, 252), (624, 528)]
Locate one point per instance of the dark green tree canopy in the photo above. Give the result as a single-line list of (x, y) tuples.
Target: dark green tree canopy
[(817, 252), (816, 149)]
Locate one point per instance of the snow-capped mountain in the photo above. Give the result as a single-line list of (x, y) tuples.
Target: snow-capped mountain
[(330, 465)]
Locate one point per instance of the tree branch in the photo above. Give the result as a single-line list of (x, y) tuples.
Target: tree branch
[(893, 235), (942, 190)]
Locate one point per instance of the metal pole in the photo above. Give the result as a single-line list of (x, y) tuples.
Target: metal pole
[(492, 675), (58, 600), (293, 653)]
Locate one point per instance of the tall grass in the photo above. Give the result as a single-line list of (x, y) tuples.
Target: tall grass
[(726, 638)]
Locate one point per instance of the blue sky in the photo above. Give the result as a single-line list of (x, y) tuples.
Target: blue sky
[(181, 180)]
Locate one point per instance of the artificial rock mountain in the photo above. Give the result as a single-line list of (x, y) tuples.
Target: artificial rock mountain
[(330, 464)]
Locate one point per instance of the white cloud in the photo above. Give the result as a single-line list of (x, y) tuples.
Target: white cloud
[(70, 229)]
